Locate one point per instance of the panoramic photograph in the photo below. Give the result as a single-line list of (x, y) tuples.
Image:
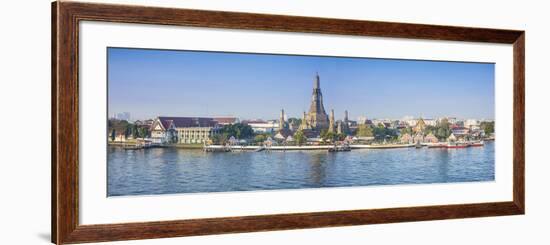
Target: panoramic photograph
[(183, 121)]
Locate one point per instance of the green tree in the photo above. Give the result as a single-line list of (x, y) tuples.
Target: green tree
[(329, 136), (443, 129), (219, 139), (364, 130), (392, 133), (300, 138), (430, 129), (406, 130), (238, 130), (143, 132), (295, 122), (379, 131), (113, 135), (488, 127), (444, 132), (340, 137), (135, 131), (444, 123), (128, 130), (323, 133), (260, 138)]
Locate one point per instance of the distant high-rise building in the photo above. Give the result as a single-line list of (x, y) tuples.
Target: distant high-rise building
[(346, 123), (122, 116), (346, 116)]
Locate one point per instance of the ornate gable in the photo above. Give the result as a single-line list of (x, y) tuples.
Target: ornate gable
[(157, 126)]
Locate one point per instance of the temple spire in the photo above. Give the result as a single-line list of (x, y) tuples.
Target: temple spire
[(282, 120), (345, 126), (317, 82), (304, 124), (331, 121), (317, 117)]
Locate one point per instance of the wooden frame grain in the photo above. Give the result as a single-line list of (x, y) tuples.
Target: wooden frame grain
[(65, 121)]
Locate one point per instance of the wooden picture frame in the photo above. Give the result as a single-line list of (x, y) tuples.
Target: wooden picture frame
[(65, 122)]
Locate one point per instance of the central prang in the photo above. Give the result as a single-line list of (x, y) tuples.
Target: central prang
[(316, 119)]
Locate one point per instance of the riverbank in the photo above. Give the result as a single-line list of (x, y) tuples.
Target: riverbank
[(257, 148), (180, 146), (220, 148), (187, 146)]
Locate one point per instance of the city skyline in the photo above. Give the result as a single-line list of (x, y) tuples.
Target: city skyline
[(149, 83), (115, 115)]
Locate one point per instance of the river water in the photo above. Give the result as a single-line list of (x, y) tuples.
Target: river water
[(170, 170)]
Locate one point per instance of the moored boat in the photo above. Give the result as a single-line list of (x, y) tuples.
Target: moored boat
[(454, 145), (382, 146), (338, 148), (133, 147), (477, 143)]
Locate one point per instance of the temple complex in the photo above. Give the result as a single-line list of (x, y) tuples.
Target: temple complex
[(317, 117), (317, 120)]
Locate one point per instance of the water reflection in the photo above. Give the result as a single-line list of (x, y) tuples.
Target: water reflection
[(160, 171), (443, 168), (317, 170)]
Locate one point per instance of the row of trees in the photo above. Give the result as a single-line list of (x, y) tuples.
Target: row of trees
[(331, 136), (123, 127), (300, 138), (442, 130), (243, 131), (237, 130), (295, 122), (379, 132)]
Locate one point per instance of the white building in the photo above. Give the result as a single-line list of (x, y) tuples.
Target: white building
[(260, 126), (451, 120), (362, 120), (183, 130), (430, 122), (472, 124), (381, 121), (411, 122)]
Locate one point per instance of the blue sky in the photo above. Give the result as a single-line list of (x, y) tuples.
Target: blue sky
[(148, 83)]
